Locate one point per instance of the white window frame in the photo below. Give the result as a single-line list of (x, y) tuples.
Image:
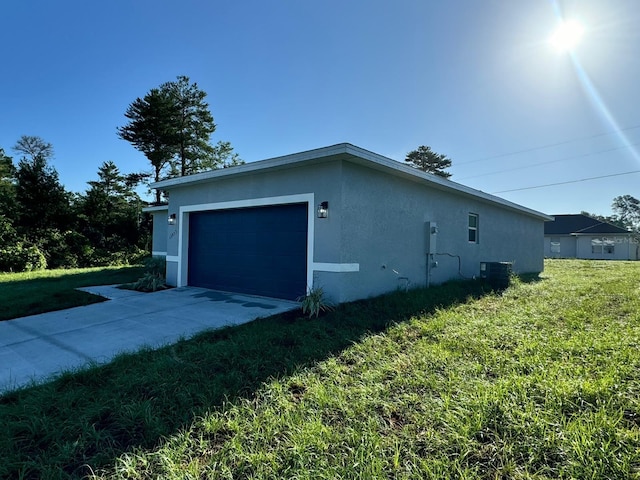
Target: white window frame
[(475, 229), (603, 246)]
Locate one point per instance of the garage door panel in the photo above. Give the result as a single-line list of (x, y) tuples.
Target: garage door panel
[(259, 251)]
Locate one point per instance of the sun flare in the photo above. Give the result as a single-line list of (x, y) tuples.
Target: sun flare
[(567, 36)]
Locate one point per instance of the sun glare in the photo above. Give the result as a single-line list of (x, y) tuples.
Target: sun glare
[(567, 36)]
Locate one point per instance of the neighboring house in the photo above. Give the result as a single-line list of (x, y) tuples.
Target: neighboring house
[(580, 236), (342, 218)]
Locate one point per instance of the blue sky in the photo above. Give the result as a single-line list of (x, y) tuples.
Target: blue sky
[(475, 80)]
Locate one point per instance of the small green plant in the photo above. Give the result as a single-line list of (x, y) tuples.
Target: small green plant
[(155, 265), (315, 302), (150, 282), (153, 278)]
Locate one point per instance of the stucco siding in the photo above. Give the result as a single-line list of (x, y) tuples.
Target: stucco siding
[(579, 246), (159, 233), (567, 246), (384, 230), (624, 248), (316, 182), (375, 238)]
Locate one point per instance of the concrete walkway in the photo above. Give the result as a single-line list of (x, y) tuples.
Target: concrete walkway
[(35, 348)]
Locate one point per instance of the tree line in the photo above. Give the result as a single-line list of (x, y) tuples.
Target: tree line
[(42, 225), (626, 214)]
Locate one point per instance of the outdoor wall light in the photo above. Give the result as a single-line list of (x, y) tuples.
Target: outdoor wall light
[(323, 210), (172, 219)]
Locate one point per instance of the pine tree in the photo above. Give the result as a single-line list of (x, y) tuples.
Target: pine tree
[(151, 130), (7, 187), (425, 159), (110, 207), (42, 201), (192, 127)]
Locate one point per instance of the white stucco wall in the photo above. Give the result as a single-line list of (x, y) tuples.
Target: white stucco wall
[(384, 230), (579, 246), (158, 230), (567, 246), (625, 248)]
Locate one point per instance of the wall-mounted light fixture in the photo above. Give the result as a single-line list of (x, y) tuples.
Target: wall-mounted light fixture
[(323, 210), (172, 219)]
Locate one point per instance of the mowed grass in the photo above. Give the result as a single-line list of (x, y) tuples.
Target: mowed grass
[(540, 381), (42, 291)]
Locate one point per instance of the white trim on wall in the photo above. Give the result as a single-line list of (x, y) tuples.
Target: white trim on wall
[(159, 208), (158, 254), (183, 227), (336, 267), (173, 258)]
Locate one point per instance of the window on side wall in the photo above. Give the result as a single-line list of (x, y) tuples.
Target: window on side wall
[(608, 246), (596, 245), (603, 245), (473, 228)]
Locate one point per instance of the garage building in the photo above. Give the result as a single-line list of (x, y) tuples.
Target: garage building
[(342, 218)]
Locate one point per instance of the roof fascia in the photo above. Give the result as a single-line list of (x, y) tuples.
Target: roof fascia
[(157, 208), (350, 153)]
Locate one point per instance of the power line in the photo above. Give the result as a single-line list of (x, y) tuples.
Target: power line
[(570, 181), (532, 149), (548, 162)]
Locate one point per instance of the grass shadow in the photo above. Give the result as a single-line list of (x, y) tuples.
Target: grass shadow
[(529, 277), (92, 416)]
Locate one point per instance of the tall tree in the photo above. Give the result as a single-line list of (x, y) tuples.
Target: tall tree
[(33, 147), (612, 219), (7, 187), (192, 126), (42, 202), (225, 156), (110, 208), (172, 126), (425, 159), (626, 208), (151, 130)]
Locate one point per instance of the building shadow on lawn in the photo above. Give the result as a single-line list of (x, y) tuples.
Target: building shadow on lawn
[(92, 416)]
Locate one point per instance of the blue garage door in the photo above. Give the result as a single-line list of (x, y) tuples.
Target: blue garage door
[(259, 251)]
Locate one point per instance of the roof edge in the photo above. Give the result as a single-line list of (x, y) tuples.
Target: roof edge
[(157, 208), (273, 162), (354, 154)]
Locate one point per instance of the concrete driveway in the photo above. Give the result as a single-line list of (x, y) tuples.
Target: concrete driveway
[(35, 348)]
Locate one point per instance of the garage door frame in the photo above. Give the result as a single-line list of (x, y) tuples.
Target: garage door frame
[(183, 227)]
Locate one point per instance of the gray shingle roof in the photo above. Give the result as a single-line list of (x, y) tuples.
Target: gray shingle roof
[(568, 224)]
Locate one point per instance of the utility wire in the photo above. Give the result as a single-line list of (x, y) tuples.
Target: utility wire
[(570, 181), (548, 162), (532, 149)]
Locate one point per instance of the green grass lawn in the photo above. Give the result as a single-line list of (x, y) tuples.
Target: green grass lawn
[(541, 381), (41, 291)]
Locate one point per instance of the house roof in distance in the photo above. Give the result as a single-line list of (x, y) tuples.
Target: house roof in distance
[(579, 224), (350, 153)]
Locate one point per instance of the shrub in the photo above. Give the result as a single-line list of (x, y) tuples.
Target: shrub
[(33, 258), (315, 302), (150, 282), (18, 258), (153, 278), (155, 265)]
